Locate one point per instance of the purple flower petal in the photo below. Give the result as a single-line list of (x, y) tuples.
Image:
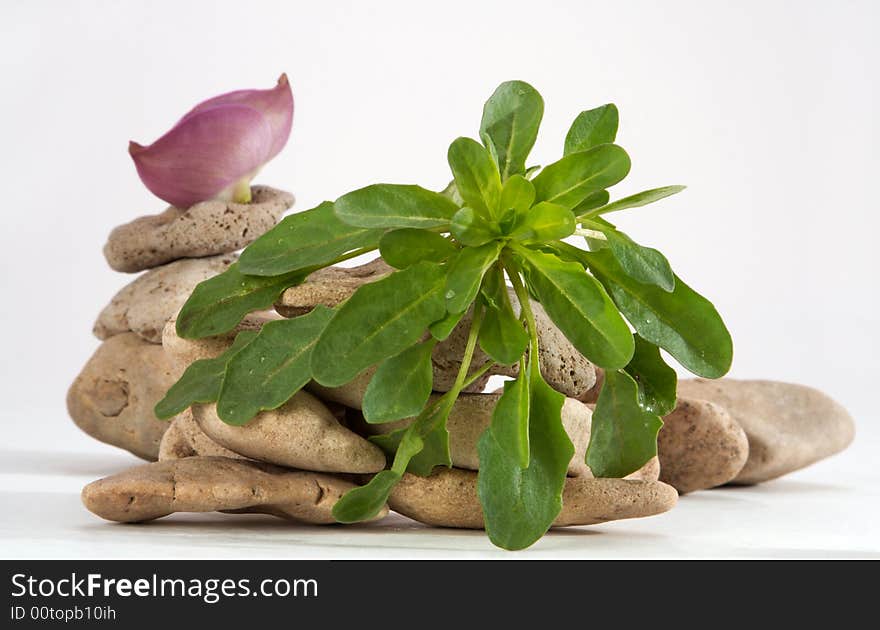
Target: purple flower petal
[(276, 104), (205, 154), (219, 143)]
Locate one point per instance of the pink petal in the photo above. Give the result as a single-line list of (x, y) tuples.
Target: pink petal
[(205, 152), (275, 103)]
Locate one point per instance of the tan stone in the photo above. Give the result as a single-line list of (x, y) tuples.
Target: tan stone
[(205, 229), (591, 396), (700, 446), (185, 438), (174, 444), (788, 426), (329, 287), (146, 304), (208, 484), (113, 397), (351, 394), (302, 433), (448, 498)]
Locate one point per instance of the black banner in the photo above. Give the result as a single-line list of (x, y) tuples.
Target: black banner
[(221, 594)]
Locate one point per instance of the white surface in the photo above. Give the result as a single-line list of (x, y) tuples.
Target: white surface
[(806, 515), (767, 110)]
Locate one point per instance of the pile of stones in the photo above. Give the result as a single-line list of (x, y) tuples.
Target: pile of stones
[(296, 461)]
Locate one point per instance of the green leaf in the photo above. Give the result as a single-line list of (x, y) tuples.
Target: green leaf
[(595, 200), (656, 380), (518, 194), (531, 170), (502, 336), (571, 180), (623, 435), (401, 386), (379, 320), (592, 128), (451, 192), (637, 200), (511, 118), (395, 206), (218, 304), (442, 328), (434, 452), (581, 309), (201, 381), (476, 175), (466, 273), (313, 238), (473, 229), (682, 322), (645, 264), (272, 368), (405, 247), (421, 446), (520, 504), (545, 221), (363, 503), (509, 429)]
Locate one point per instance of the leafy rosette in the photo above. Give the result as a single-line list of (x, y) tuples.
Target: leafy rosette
[(498, 223)]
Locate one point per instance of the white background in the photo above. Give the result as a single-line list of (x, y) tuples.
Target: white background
[(766, 110)]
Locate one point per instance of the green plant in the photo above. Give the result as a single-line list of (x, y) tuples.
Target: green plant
[(455, 252)]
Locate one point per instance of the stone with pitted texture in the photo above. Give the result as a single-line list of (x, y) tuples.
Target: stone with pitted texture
[(788, 426), (113, 397), (144, 305), (700, 446), (204, 229)]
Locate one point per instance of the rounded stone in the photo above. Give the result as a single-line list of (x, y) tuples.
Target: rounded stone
[(204, 229), (448, 498), (302, 433), (700, 446), (146, 304), (113, 397), (208, 484), (788, 426)]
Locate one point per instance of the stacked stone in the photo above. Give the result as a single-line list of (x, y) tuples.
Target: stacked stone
[(113, 397), (296, 461)]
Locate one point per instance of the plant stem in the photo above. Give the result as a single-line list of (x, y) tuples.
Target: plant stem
[(591, 234), (437, 413), (478, 373), (525, 307), (241, 191), (349, 255)]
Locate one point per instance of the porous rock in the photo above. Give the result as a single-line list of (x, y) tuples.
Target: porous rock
[(700, 446), (183, 352), (204, 229), (208, 484), (787, 426), (113, 397), (329, 287), (147, 303)]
